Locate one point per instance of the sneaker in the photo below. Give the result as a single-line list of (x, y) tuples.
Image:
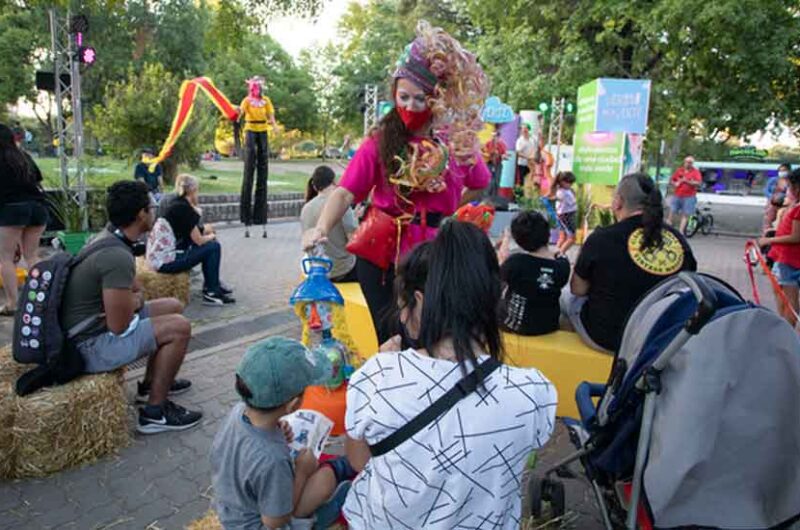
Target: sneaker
[(219, 299), (173, 418), (179, 386), (328, 513), (223, 288)]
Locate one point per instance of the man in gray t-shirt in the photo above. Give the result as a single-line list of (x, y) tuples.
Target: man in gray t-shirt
[(343, 262)]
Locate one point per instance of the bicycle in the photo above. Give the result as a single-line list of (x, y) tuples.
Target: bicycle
[(701, 221)]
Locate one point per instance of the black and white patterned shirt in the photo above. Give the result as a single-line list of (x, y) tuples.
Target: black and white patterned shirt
[(462, 471)]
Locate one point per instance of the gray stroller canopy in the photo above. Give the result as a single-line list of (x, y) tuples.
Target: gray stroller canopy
[(725, 448)]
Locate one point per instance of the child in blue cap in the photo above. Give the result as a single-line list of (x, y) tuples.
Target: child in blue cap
[(256, 483)]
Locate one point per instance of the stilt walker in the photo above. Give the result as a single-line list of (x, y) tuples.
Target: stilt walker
[(259, 115)]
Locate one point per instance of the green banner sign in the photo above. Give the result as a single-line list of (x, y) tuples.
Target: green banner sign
[(598, 157)]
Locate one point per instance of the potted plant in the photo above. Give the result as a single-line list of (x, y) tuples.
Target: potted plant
[(583, 199), (70, 214)]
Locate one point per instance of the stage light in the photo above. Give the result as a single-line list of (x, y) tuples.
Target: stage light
[(78, 24), (87, 55)]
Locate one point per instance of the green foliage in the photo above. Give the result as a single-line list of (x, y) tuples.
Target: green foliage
[(138, 112), (718, 68), (583, 199), (22, 32)]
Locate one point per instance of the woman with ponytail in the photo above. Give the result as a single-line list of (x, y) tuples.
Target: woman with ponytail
[(619, 263), (418, 166)]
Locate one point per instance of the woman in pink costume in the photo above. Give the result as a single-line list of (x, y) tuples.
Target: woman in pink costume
[(422, 161)]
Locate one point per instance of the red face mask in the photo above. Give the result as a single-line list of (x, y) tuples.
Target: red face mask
[(414, 120)]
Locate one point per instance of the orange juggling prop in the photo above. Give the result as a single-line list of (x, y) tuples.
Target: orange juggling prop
[(187, 95)]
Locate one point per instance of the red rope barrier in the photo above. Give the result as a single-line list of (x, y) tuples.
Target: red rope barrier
[(751, 249)]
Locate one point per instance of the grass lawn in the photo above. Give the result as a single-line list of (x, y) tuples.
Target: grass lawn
[(103, 171)]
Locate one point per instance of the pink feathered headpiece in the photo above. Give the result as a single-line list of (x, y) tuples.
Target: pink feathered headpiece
[(456, 84), (255, 84)]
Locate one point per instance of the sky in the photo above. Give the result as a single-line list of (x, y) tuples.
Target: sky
[(295, 34)]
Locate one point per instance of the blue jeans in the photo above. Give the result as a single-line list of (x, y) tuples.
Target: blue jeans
[(209, 255)]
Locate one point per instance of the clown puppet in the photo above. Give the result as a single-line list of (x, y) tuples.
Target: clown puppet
[(258, 115)]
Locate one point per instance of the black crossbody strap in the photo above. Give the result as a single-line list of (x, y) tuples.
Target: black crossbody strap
[(462, 389)]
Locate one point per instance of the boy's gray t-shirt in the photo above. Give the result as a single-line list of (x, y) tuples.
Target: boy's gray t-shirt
[(252, 473)]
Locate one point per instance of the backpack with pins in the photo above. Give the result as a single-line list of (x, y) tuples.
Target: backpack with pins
[(39, 336)]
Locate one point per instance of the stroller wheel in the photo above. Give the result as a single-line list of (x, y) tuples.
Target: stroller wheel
[(535, 496), (557, 498), (546, 490)]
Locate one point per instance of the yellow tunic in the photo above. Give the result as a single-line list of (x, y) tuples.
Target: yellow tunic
[(257, 118)]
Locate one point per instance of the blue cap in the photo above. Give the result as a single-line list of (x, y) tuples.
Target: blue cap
[(278, 369)]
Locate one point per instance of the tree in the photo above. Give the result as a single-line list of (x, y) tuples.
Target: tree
[(319, 63), (718, 68), (138, 111), (21, 34), (289, 87), (376, 34)]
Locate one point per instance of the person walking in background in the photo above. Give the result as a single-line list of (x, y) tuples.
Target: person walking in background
[(23, 213), (566, 210), (686, 180), (154, 179), (344, 263)]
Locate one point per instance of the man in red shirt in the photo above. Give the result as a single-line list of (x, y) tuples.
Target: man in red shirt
[(785, 250), (686, 180), (495, 151)]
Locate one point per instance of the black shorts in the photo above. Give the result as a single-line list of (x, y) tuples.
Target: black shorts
[(25, 213), (566, 222)]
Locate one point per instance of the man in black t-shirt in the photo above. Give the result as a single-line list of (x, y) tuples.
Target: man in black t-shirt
[(620, 263)]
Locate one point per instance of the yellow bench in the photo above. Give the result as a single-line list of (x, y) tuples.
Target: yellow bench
[(561, 356)]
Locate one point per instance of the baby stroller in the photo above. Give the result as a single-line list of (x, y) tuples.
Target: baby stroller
[(699, 423)]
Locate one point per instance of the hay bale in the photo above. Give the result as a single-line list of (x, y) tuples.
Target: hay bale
[(69, 425), (9, 368), (7, 445), (158, 285), (209, 521)]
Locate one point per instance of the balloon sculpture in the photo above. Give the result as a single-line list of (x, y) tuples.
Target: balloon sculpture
[(320, 307)]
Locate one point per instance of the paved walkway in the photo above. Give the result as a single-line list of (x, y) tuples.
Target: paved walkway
[(163, 481)]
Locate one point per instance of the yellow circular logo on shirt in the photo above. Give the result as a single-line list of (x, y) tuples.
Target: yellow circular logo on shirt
[(663, 261)]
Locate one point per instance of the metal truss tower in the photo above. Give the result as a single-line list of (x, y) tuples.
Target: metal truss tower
[(370, 107), (69, 133), (556, 128)]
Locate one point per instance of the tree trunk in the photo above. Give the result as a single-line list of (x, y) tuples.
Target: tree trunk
[(170, 167)]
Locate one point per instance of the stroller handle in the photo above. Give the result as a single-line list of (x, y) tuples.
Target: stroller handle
[(706, 307), (706, 302)]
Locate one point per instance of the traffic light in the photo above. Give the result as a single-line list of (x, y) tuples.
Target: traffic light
[(543, 107), (569, 107)]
